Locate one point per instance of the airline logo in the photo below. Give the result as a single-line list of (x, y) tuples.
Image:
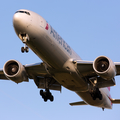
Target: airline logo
[(60, 40), (47, 26)]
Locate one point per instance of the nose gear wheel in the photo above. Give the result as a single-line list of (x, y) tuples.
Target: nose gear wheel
[(24, 49)]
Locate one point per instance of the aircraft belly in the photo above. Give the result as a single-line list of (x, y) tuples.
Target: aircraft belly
[(71, 81)]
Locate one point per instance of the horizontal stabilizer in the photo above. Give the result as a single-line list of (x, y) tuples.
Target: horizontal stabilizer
[(115, 101), (78, 103)]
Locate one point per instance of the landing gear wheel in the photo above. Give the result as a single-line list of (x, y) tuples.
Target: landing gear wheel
[(27, 49), (100, 96), (22, 49), (52, 98), (96, 94), (45, 99), (25, 38), (41, 92), (46, 95), (93, 96)]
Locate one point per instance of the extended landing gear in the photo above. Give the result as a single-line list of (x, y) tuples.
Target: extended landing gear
[(24, 49), (45, 83), (46, 95), (25, 38), (96, 94), (94, 90)]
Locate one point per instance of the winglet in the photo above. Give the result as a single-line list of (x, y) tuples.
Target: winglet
[(78, 103)]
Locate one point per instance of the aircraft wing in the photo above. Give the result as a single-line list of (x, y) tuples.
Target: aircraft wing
[(2, 76), (37, 69), (38, 73), (85, 68), (117, 64)]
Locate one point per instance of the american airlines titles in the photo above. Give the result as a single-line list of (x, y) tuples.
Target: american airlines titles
[(61, 41)]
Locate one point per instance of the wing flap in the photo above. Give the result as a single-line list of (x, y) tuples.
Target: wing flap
[(2, 76), (52, 83)]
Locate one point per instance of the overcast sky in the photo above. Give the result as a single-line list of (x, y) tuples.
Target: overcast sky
[(90, 27)]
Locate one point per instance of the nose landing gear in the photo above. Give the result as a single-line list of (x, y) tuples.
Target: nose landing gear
[(24, 49), (25, 38)]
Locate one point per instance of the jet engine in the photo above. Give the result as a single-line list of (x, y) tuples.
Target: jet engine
[(15, 71), (104, 67)]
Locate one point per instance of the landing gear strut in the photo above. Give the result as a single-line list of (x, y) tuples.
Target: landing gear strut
[(24, 37), (46, 95), (96, 94), (94, 90)]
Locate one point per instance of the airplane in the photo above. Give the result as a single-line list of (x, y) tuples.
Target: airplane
[(61, 66)]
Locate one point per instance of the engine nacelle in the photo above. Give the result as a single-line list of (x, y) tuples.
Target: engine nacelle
[(104, 67), (15, 71)]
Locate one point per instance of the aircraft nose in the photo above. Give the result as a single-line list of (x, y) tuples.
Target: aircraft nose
[(17, 22), (16, 18), (21, 21)]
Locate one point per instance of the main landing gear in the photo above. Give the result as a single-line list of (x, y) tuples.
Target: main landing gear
[(25, 38), (94, 90), (45, 83), (46, 95), (96, 94)]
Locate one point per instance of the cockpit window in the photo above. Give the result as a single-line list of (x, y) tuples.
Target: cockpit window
[(23, 12)]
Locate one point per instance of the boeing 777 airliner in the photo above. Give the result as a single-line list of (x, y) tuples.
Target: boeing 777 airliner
[(61, 66)]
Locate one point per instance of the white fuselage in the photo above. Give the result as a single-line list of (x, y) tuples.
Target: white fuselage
[(58, 56)]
